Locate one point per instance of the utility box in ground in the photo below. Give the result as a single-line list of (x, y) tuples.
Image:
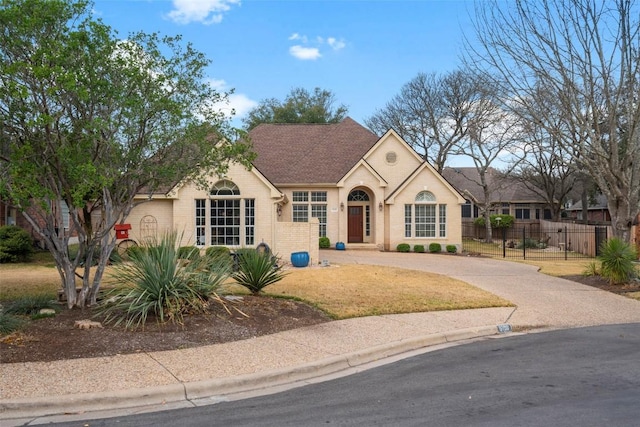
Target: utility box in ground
[(122, 231)]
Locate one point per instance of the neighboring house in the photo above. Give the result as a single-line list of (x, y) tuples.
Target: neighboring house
[(507, 196), (310, 180), (597, 211), (10, 215)]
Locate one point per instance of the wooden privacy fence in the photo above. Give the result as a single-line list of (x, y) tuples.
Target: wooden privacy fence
[(539, 240)]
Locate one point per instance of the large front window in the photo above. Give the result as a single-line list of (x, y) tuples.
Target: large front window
[(314, 202), (425, 218), (229, 219)]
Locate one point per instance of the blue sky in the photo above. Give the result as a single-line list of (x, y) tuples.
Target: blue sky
[(362, 51)]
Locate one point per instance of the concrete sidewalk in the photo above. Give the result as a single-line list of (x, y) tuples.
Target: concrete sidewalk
[(212, 373)]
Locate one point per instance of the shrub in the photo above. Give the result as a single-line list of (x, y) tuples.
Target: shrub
[(156, 283), (10, 323), (217, 250), (528, 243), (505, 221), (418, 248), (403, 247), (324, 242), (452, 249), (16, 244), (435, 247), (192, 253), (257, 270), (617, 258), (591, 270)]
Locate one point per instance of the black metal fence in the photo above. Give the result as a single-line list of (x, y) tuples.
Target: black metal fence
[(535, 240)]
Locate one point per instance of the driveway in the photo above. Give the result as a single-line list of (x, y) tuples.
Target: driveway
[(541, 300)]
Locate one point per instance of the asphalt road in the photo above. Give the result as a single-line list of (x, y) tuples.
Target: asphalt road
[(574, 377)]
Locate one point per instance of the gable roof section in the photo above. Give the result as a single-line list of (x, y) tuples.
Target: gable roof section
[(502, 189), (424, 165), (309, 153)]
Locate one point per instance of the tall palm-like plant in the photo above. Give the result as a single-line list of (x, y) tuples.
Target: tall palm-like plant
[(157, 282), (617, 257), (257, 270)]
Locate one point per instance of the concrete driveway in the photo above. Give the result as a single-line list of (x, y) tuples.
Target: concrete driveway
[(541, 300)]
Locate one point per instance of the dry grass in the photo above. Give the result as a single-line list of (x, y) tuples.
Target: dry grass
[(361, 290), (342, 291), (559, 268)]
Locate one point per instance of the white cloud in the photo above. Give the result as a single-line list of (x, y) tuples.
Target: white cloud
[(335, 43), (238, 102), (203, 11), (305, 53)]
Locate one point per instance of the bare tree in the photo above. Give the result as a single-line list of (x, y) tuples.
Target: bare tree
[(493, 136), (546, 167), (586, 54), (431, 112)]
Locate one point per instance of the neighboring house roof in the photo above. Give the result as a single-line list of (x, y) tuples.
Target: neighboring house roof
[(309, 153), (502, 188), (600, 203)]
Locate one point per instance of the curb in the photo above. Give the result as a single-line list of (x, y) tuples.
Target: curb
[(31, 408)]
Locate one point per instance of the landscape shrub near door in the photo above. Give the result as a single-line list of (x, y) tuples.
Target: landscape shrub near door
[(418, 248), (452, 249), (324, 242), (435, 247), (403, 247)]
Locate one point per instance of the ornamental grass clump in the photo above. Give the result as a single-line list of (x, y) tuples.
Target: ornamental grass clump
[(256, 270), (617, 258), (157, 282)]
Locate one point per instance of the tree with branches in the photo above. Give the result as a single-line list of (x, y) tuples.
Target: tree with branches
[(432, 113), (90, 120), (300, 106), (586, 55)]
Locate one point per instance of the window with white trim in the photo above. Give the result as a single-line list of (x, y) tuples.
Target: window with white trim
[(314, 202), (425, 218), (219, 220)]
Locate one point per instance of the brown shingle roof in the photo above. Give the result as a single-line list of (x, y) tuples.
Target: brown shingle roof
[(502, 189), (309, 153)]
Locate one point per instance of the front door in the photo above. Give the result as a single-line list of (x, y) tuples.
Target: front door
[(355, 224)]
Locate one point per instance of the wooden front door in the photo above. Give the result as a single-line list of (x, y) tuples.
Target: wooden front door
[(355, 224)]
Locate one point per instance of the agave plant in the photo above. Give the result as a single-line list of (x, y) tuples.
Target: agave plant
[(256, 270), (617, 258), (157, 282)]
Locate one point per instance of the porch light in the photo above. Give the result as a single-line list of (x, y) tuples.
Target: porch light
[(341, 206), (380, 206), (279, 210)]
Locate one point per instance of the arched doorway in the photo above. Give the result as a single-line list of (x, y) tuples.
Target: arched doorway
[(358, 216)]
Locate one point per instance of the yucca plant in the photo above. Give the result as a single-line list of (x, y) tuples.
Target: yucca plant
[(156, 282), (256, 270), (617, 258)]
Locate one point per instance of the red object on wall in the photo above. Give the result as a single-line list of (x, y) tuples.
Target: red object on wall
[(122, 231)]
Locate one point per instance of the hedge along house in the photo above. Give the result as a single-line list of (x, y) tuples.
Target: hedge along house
[(311, 180)]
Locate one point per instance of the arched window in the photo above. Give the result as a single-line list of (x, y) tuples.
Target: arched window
[(425, 218), (224, 188), (425, 196), (358, 196)]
